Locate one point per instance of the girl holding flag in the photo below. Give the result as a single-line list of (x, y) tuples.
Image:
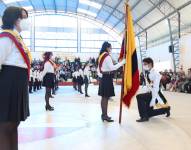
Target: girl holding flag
[(105, 72)]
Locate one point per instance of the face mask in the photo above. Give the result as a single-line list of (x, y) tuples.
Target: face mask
[(25, 24), (146, 67)]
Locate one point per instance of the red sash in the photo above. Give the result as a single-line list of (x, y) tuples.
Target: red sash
[(52, 63), (20, 48), (101, 61)]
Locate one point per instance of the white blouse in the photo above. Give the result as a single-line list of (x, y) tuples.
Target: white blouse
[(108, 66), (48, 68), (87, 72), (9, 54)]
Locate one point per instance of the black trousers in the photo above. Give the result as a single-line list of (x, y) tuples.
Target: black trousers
[(162, 97), (86, 82), (30, 86), (35, 85), (145, 111), (86, 88)]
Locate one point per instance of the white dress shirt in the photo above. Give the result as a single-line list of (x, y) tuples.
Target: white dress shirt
[(81, 73), (108, 66), (155, 78), (9, 54), (48, 68), (87, 71), (31, 74)]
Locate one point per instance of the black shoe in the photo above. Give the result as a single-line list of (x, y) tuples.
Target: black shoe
[(87, 96), (51, 96), (106, 118), (143, 120), (81, 92), (168, 112), (49, 108)]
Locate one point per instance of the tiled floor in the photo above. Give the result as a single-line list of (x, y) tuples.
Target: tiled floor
[(76, 125)]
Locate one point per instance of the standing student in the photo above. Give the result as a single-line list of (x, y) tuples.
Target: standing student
[(35, 80), (74, 80), (80, 79), (86, 78), (15, 62), (105, 73), (40, 79), (31, 81), (48, 78), (146, 101)]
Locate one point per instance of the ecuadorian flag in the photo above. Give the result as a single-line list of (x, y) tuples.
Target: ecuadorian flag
[(130, 83)]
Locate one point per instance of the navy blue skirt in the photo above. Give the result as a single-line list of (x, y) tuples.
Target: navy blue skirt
[(14, 97), (106, 88), (49, 80)]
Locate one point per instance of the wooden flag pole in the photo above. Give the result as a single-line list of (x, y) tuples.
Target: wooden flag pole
[(121, 99), (124, 56)]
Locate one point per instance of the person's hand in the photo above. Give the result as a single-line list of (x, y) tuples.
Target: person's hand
[(123, 62)]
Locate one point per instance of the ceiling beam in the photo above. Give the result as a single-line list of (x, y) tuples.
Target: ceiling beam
[(165, 17), (43, 5), (66, 7), (101, 8), (132, 8), (32, 5), (77, 5), (135, 5), (163, 13), (147, 12), (113, 11), (55, 6)]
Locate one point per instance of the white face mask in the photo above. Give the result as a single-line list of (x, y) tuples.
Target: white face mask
[(146, 68), (25, 24)]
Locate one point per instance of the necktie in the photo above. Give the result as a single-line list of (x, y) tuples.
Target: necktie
[(147, 76)]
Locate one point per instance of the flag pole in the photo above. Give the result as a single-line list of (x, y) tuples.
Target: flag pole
[(121, 99), (124, 56)]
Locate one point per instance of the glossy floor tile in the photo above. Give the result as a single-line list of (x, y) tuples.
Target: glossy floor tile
[(76, 125)]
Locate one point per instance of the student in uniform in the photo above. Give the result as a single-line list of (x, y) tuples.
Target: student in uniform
[(74, 80), (31, 81), (80, 79), (48, 78), (146, 101), (40, 79), (86, 78), (15, 62), (54, 88), (36, 80), (34, 85), (105, 73)]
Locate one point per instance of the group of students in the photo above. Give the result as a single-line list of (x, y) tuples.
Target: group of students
[(81, 76), (15, 60), (35, 80)]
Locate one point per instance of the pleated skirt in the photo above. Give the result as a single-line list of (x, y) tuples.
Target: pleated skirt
[(49, 80), (14, 97), (106, 88)]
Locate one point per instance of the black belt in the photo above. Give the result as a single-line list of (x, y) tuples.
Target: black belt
[(108, 73)]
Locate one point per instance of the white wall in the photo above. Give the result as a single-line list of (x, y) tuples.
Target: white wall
[(161, 56), (185, 52)]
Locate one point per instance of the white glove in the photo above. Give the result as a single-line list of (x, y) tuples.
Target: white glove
[(152, 103), (123, 62)]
